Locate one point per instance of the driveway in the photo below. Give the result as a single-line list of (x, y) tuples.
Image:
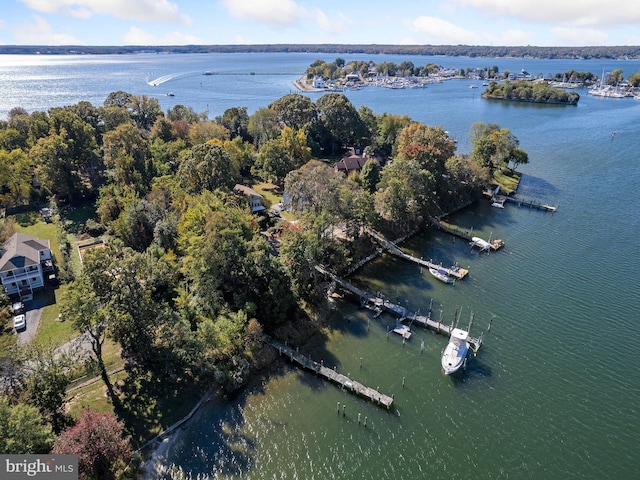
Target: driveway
[(33, 312)]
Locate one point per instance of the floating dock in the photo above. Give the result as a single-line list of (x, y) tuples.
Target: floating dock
[(454, 271), (345, 382)]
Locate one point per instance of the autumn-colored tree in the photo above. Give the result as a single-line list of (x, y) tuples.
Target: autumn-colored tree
[(99, 441)]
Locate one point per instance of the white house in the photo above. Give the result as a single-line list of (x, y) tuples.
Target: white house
[(318, 82), (253, 197), (23, 262)]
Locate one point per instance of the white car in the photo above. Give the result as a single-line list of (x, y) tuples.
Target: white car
[(17, 308), (20, 322)]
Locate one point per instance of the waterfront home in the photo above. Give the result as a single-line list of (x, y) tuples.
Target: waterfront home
[(253, 197), (24, 261), (318, 82)]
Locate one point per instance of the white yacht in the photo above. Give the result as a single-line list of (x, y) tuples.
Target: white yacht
[(480, 243), (455, 354)]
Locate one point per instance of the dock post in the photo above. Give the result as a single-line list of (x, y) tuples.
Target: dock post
[(365, 422), (344, 406), (403, 378), (338, 407), (422, 346), (358, 419), (360, 362)]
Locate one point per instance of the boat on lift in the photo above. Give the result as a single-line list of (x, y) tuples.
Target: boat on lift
[(480, 243)]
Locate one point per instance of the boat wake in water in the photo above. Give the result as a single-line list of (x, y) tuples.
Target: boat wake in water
[(172, 76)]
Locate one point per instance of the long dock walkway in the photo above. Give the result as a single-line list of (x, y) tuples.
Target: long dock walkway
[(345, 382), (465, 234), (453, 271), (521, 202), (379, 304)]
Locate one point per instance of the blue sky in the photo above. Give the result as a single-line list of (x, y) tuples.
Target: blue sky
[(436, 22)]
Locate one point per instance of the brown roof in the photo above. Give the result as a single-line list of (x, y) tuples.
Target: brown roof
[(348, 164), (246, 190)]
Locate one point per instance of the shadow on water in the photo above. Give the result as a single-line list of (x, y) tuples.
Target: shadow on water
[(537, 187)]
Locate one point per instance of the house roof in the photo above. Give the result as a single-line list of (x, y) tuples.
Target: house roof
[(353, 162), (246, 190), (21, 251)]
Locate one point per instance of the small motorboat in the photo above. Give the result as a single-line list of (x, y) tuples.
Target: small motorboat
[(441, 274), (455, 354)]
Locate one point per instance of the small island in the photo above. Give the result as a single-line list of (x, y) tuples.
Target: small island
[(531, 92)]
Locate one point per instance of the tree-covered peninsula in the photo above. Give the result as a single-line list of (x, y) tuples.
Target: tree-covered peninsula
[(188, 274), (531, 92)]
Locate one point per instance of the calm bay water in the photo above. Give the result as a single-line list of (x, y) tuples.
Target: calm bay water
[(555, 390)]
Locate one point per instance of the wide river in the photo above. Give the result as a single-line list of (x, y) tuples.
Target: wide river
[(553, 393)]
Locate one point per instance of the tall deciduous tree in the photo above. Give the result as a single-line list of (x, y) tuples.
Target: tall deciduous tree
[(295, 110), (15, 177), (427, 145), (264, 126), (22, 429), (99, 441), (144, 111), (341, 120), (207, 167), (127, 154), (236, 120), (45, 385)]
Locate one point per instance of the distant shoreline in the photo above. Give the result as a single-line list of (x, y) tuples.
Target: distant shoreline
[(574, 53)]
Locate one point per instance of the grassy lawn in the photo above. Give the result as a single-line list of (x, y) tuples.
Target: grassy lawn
[(272, 194), (508, 180), (150, 405), (50, 330)]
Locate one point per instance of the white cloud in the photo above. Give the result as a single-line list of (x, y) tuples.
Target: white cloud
[(140, 10), (586, 13), (439, 31), (578, 36), (39, 32), (511, 37), (338, 23), (277, 13), (138, 36)]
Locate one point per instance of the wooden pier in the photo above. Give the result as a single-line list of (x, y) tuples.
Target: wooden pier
[(379, 304), (454, 271), (528, 203), (407, 316), (345, 382), (521, 202), (496, 244)]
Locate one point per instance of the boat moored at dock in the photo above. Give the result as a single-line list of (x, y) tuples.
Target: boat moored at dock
[(441, 274), (455, 353)]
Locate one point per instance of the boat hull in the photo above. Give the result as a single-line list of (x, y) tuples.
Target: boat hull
[(455, 354), (441, 275)]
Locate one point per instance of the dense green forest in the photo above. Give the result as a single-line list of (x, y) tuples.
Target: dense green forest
[(523, 91), (189, 280), (590, 52)]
